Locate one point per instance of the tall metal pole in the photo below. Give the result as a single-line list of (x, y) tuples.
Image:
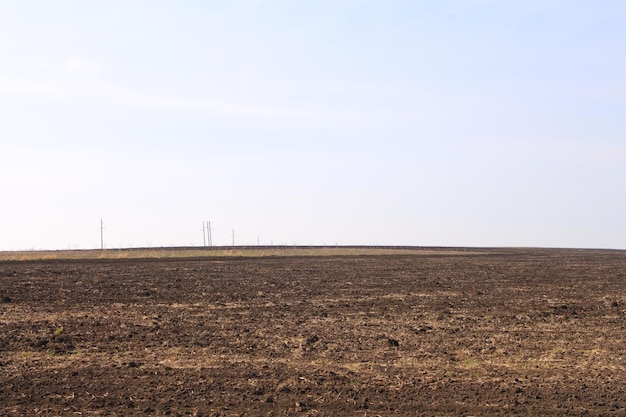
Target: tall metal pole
[(203, 235), (209, 232), (101, 234), (233, 238)]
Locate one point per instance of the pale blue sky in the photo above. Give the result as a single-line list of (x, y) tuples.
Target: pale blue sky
[(453, 122)]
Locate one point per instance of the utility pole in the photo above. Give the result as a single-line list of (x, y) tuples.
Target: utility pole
[(203, 235), (233, 238), (101, 234), (209, 233)]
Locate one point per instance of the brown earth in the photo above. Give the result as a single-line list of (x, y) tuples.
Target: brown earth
[(508, 332)]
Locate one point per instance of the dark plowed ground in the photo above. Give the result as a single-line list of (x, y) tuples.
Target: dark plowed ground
[(510, 332)]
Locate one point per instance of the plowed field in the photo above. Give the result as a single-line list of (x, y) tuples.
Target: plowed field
[(504, 332)]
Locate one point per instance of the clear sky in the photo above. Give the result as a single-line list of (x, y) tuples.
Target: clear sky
[(452, 122)]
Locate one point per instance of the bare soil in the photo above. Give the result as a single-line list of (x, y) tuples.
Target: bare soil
[(506, 332)]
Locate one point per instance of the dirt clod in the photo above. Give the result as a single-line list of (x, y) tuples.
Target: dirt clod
[(393, 342)]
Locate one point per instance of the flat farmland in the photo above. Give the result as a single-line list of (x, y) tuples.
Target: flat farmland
[(423, 332)]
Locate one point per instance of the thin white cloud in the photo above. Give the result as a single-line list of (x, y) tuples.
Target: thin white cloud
[(28, 88), (71, 66), (38, 89), (596, 152), (80, 66)]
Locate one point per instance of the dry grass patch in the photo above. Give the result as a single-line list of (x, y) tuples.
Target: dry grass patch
[(217, 252)]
